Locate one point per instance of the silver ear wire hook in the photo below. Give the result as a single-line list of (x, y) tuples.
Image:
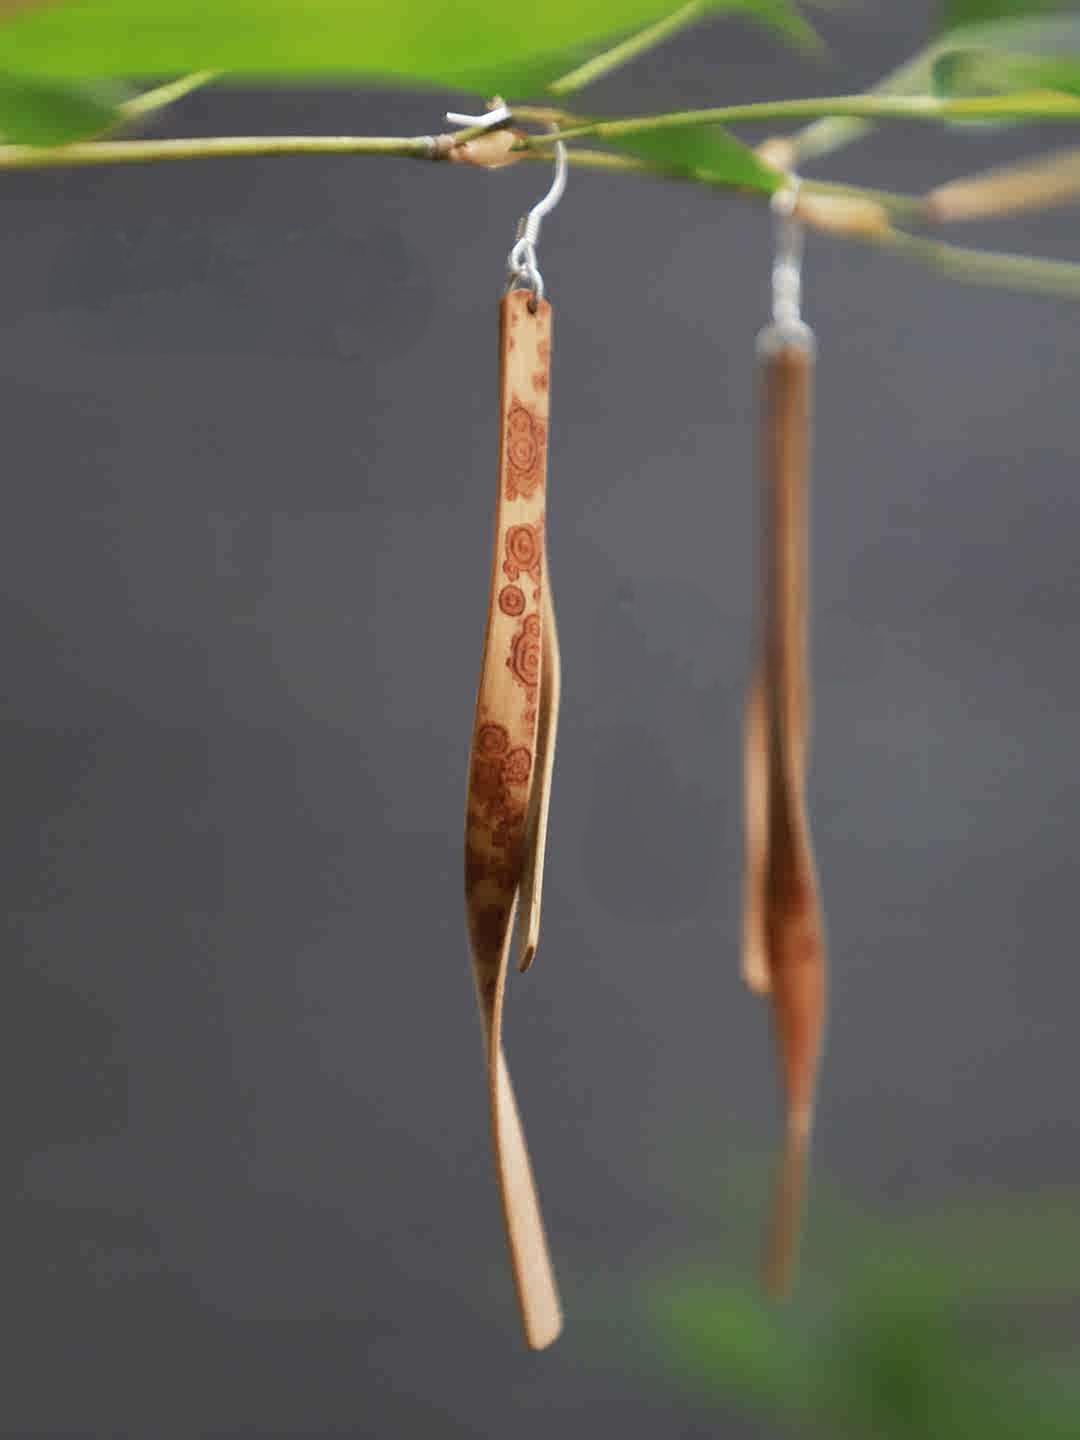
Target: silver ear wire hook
[(787, 264), (787, 327), (522, 263)]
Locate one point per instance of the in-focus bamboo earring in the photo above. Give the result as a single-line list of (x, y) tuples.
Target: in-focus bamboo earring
[(513, 739), (783, 953)]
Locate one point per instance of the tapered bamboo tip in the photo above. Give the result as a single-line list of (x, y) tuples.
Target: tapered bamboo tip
[(534, 1275), (785, 1220), (755, 968), (529, 924), (543, 1330)]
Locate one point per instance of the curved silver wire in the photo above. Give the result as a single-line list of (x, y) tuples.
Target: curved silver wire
[(522, 262), (499, 116), (787, 264)]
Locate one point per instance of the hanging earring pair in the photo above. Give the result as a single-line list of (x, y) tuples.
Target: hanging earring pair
[(513, 741), (783, 950)]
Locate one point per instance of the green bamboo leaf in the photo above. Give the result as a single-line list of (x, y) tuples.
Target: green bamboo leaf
[(702, 152), (1003, 38), (972, 12), (1009, 55), (44, 112), (778, 15), (449, 43)]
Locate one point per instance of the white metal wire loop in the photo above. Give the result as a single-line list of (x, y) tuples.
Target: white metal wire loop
[(787, 323), (523, 265)]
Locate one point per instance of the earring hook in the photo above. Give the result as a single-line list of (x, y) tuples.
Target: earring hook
[(522, 262), (787, 264)]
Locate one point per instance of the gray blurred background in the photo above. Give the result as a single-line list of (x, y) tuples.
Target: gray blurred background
[(249, 421)]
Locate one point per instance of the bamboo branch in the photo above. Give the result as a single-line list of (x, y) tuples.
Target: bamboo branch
[(139, 106), (141, 152), (988, 267), (422, 147), (1033, 106), (642, 41), (835, 209), (629, 49)]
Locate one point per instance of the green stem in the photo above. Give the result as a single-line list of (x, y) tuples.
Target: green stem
[(988, 267), (1036, 105), (140, 152), (972, 266), (821, 137), (629, 49), (900, 207), (145, 104)]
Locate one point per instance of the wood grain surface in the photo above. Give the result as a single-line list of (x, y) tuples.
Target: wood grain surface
[(783, 934), (509, 770)]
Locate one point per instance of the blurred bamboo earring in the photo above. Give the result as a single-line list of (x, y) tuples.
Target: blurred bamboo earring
[(783, 951), (513, 739)]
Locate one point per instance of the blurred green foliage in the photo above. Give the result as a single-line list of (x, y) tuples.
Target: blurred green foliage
[(957, 1326), (1012, 55), (466, 43), (971, 12)]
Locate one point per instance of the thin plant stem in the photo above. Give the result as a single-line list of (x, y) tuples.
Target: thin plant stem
[(629, 49), (142, 152), (971, 266), (149, 101), (642, 41), (988, 267), (1037, 105)]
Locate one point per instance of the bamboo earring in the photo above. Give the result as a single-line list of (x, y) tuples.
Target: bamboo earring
[(783, 953), (513, 739)]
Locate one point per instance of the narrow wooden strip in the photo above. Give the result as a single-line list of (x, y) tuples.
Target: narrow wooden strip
[(793, 929), (534, 1275), (536, 826), (503, 770), (786, 374), (785, 1219), (755, 954)]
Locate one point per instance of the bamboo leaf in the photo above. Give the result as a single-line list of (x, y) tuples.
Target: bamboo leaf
[(703, 152), (973, 12), (1008, 55), (44, 112), (449, 43), (999, 42)]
